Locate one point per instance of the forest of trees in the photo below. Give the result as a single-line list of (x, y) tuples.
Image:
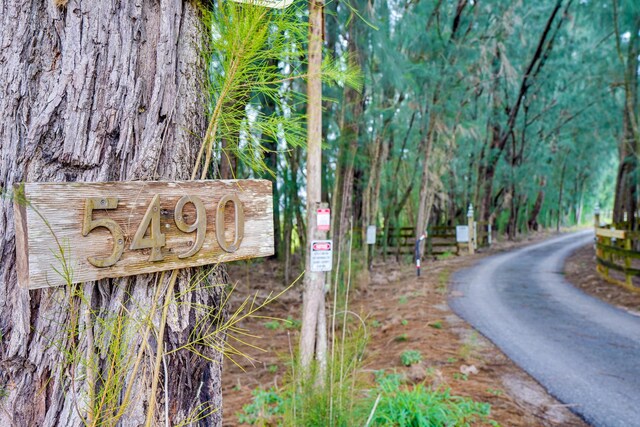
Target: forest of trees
[(527, 110), (522, 109)]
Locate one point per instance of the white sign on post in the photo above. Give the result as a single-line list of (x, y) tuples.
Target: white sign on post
[(321, 255), (462, 233), (323, 219), (371, 235)]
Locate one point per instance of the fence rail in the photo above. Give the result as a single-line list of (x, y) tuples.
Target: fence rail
[(617, 260), (441, 239)]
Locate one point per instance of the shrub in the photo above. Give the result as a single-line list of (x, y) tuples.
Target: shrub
[(418, 406), (411, 357), (266, 405)]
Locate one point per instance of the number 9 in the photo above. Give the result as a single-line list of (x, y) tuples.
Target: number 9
[(199, 225)]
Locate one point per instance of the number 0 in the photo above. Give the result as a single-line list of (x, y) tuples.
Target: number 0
[(238, 219)]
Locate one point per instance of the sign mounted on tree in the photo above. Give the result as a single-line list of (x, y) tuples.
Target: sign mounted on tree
[(321, 255), (323, 219), (113, 229)]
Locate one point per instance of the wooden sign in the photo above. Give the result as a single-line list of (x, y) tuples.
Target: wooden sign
[(115, 229)]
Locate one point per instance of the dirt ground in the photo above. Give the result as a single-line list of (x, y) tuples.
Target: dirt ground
[(402, 312), (581, 272)]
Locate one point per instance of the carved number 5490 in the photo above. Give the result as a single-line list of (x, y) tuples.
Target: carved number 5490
[(151, 221)]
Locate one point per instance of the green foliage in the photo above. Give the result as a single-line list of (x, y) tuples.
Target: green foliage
[(272, 325), (291, 323), (256, 54), (404, 406), (460, 376), (265, 407), (445, 255), (410, 357), (436, 325), (288, 323), (401, 338)]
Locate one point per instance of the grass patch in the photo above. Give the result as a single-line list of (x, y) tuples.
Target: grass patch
[(411, 357)]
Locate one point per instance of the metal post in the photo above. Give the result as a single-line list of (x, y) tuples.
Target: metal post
[(471, 229), (417, 252)]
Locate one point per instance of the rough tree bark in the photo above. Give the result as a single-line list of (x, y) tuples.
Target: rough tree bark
[(313, 334), (98, 92), (626, 200)]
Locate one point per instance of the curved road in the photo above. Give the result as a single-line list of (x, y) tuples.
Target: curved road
[(583, 351)]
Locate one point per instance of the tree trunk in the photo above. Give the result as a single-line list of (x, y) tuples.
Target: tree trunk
[(626, 200), (560, 207), (312, 339), (104, 91), (532, 223), (424, 207)]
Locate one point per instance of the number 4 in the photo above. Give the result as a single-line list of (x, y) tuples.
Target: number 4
[(156, 239)]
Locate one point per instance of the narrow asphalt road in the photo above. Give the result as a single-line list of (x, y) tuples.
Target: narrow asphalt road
[(585, 352)]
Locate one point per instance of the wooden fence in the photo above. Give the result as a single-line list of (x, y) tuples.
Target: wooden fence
[(618, 261), (441, 239)]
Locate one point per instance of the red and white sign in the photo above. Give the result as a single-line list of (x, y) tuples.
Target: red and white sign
[(323, 219), (321, 255), (322, 246)]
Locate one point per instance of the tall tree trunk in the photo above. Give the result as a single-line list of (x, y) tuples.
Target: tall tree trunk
[(537, 207), (312, 336), (378, 156), (353, 109), (424, 206), (560, 207), (104, 91), (626, 200)]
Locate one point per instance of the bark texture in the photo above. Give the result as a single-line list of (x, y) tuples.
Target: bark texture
[(100, 91), (313, 336)]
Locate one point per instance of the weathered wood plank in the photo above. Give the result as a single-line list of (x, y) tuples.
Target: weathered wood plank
[(56, 215), (617, 251), (614, 266), (606, 232)]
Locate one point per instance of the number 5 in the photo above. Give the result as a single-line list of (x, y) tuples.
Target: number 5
[(89, 224)]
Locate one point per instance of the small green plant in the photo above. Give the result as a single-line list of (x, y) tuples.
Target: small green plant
[(411, 357), (272, 369), (402, 338), (266, 405), (452, 359), (495, 391), (376, 323), (292, 323), (404, 322), (403, 300), (436, 325), (272, 325), (446, 255), (460, 376), (404, 406)]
